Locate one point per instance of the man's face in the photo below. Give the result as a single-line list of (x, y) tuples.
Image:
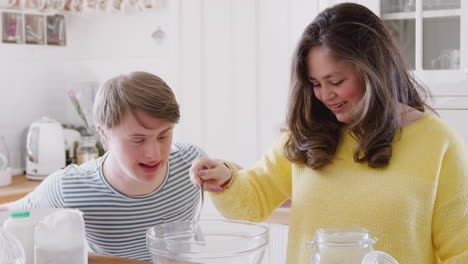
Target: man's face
[(139, 147)]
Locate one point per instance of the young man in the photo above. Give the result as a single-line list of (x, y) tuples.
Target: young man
[(141, 181)]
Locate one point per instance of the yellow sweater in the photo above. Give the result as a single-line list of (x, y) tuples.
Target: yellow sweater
[(417, 206)]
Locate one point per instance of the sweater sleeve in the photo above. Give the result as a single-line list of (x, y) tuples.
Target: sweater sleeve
[(450, 220), (256, 192)]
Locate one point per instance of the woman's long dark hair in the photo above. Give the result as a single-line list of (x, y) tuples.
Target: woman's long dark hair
[(354, 34)]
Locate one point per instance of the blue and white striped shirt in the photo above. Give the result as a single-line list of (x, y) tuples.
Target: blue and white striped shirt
[(116, 223)]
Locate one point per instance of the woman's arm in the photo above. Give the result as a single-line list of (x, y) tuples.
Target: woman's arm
[(249, 194)]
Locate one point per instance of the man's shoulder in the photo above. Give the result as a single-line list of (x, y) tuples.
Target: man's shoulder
[(186, 151), (88, 170)]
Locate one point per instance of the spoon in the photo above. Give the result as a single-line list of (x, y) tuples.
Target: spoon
[(196, 224), (196, 218)]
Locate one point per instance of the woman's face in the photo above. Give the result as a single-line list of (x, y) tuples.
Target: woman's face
[(336, 83)]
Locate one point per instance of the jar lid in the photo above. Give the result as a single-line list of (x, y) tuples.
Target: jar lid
[(378, 257), (19, 214)]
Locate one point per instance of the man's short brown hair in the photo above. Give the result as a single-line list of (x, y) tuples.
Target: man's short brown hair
[(137, 90)]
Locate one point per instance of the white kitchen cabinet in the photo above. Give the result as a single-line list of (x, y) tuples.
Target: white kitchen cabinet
[(433, 36)]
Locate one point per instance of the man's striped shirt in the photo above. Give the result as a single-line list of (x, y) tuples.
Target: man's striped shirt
[(116, 223)]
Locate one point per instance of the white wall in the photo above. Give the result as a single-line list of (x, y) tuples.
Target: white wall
[(34, 79), (31, 85), (227, 60), (233, 72)]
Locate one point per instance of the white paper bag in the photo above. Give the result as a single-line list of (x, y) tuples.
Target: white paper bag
[(60, 238)]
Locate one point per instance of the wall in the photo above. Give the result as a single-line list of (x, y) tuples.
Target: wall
[(233, 66), (104, 45), (35, 79), (233, 69), (228, 62), (32, 81)]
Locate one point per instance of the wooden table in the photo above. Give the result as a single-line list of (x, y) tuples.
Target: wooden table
[(19, 187), (104, 259)]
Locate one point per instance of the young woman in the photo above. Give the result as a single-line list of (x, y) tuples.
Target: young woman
[(360, 149)]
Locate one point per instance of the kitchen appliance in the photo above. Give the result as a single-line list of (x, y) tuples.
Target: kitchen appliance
[(45, 147)]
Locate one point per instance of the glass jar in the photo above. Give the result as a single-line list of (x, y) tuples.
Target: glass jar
[(11, 251), (5, 169), (21, 225), (344, 245), (87, 150)]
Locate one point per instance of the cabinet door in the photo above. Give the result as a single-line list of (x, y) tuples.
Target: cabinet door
[(454, 110), (432, 35)]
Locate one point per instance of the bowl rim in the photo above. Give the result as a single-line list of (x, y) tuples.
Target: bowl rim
[(264, 233)]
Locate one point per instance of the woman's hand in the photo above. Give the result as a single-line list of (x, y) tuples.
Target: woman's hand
[(212, 171)]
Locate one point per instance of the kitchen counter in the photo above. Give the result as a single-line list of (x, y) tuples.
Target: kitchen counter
[(103, 259), (19, 187)]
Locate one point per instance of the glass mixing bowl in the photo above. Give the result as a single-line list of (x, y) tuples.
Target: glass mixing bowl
[(225, 241)]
